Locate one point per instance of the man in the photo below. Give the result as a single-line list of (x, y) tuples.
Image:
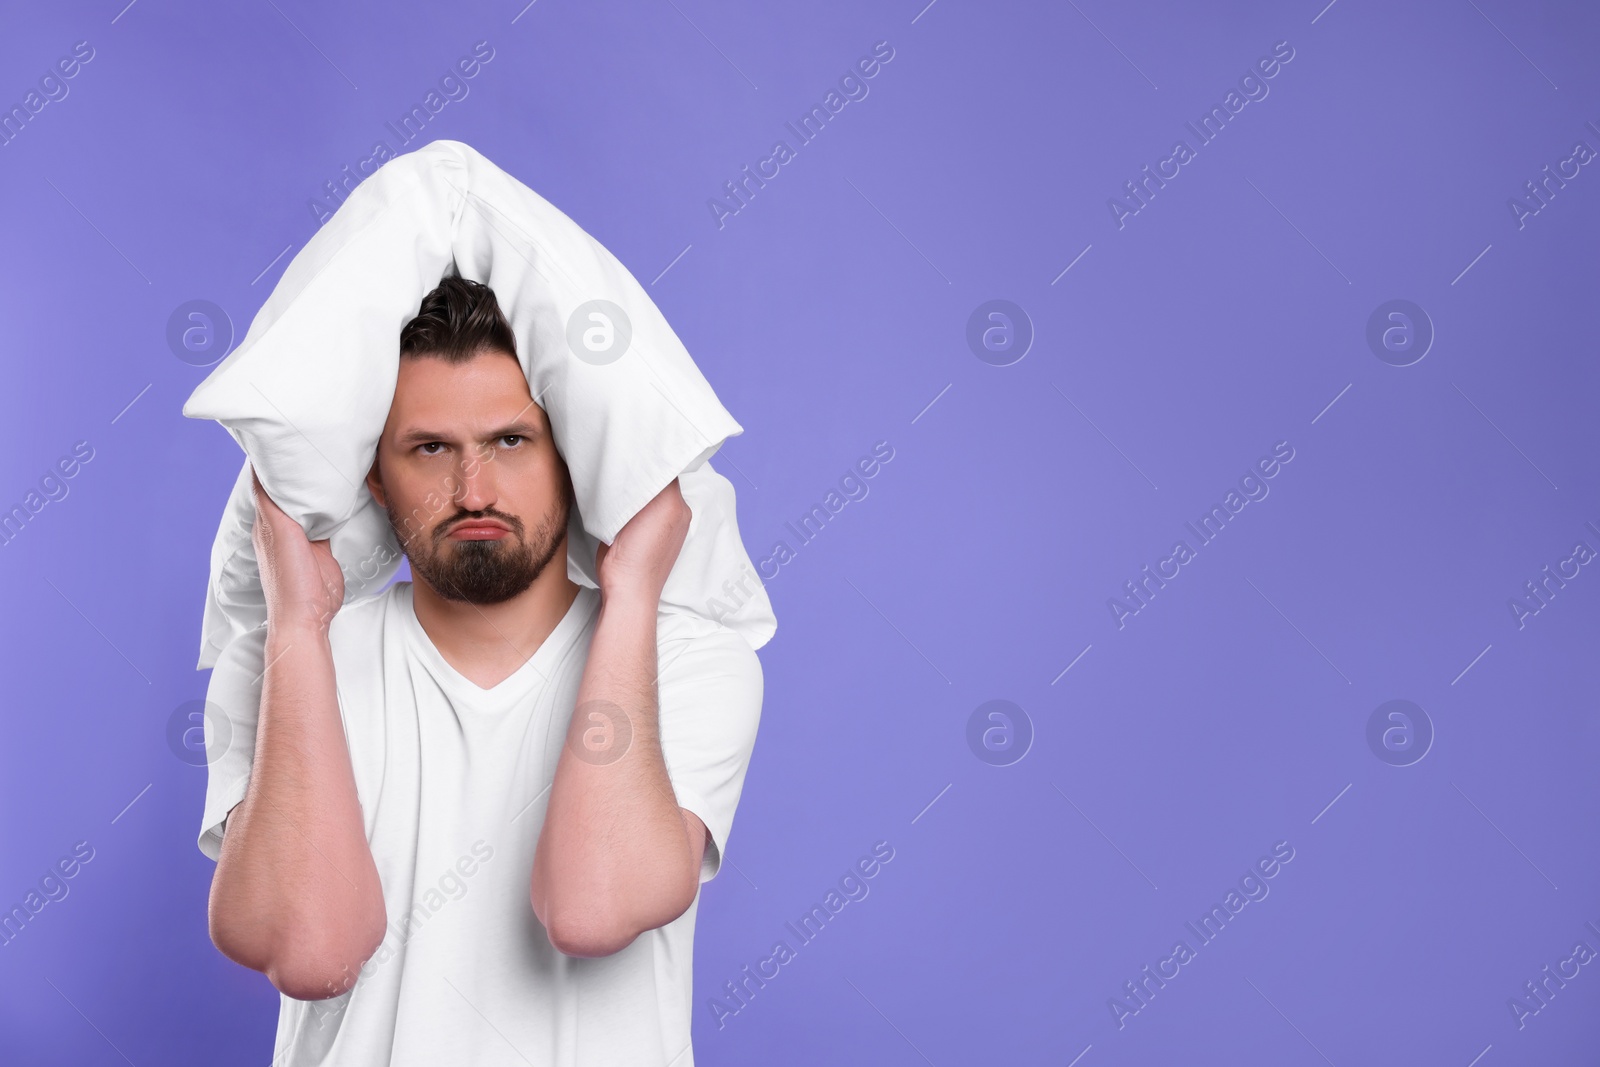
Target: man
[(472, 833)]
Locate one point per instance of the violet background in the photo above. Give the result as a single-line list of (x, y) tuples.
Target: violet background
[(831, 313)]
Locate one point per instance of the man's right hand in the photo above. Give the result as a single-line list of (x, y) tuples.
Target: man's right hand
[(296, 894), (303, 583)]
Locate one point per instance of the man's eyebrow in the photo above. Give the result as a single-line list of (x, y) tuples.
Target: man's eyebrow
[(419, 436)]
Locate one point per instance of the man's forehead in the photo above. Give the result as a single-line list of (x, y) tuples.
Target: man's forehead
[(480, 397)]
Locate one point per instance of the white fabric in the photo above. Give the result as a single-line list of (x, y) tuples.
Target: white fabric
[(308, 390), (453, 781)]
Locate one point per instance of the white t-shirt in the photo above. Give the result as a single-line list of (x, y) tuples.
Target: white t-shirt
[(453, 781)]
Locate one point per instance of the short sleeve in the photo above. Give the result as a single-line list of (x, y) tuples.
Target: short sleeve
[(233, 706), (709, 694)]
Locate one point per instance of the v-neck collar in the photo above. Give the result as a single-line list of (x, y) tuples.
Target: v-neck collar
[(535, 667)]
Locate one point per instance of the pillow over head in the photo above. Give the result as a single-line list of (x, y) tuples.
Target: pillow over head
[(307, 392)]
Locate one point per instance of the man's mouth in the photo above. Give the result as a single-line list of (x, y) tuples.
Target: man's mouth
[(479, 530)]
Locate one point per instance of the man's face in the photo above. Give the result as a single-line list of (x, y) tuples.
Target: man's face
[(468, 471)]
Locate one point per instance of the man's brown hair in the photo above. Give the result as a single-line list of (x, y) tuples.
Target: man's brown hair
[(458, 320)]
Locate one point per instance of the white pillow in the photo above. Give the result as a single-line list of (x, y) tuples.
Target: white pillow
[(308, 390)]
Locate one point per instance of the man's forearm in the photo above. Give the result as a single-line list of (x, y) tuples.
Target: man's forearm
[(613, 858), (296, 893)]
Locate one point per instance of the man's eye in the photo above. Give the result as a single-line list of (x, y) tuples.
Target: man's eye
[(512, 437), (428, 445)]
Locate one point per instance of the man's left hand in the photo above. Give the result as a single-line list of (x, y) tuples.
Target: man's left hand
[(636, 563)]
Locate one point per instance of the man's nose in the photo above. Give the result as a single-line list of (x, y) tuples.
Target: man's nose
[(475, 477)]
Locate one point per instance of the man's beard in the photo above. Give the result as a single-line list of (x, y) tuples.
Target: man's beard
[(486, 571)]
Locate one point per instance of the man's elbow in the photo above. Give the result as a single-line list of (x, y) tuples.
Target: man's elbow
[(308, 965), (593, 933), (589, 939)]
